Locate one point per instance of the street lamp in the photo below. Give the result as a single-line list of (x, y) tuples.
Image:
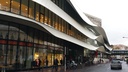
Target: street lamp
[(125, 37)]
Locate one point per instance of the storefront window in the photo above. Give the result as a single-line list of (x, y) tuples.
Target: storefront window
[(1, 54), (4, 30), (56, 22), (24, 8), (19, 52), (46, 16), (5, 5), (41, 54), (11, 56), (36, 36), (53, 19), (49, 18), (22, 56), (44, 57), (50, 57), (13, 32), (42, 14), (15, 6), (59, 24), (41, 37), (29, 57), (37, 12), (30, 34), (1, 36), (23, 33), (31, 9)]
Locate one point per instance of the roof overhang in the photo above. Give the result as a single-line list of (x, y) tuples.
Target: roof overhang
[(86, 19), (66, 37), (81, 13), (101, 31), (108, 47), (49, 29), (100, 39), (55, 9)]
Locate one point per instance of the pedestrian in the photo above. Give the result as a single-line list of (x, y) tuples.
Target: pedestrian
[(56, 64), (61, 62), (46, 62), (33, 63), (38, 63)]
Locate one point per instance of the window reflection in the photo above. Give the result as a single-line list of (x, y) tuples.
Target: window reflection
[(18, 54), (1, 36)]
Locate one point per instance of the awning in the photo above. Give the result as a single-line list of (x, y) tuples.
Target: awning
[(109, 48), (66, 37)]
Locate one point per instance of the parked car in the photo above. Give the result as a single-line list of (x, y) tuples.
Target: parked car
[(116, 64)]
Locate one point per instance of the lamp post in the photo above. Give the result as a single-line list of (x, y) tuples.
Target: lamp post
[(125, 37), (64, 59), (127, 58)]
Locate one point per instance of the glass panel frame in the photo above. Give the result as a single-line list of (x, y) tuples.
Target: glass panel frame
[(24, 8)]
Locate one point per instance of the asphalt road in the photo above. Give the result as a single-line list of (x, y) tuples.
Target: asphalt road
[(102, 68)]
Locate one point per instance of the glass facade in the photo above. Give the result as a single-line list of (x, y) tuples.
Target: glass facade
[(41, 14), (20, 44)]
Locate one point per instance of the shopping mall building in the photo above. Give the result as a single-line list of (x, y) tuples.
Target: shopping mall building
[(47, 29)]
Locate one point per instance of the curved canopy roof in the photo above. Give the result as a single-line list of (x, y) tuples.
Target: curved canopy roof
[(47, 28), (51, 6), (99, 29), (82, 14)]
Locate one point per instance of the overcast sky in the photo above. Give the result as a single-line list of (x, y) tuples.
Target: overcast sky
[(114, 16)]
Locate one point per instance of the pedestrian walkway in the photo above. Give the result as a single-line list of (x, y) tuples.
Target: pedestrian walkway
[(61, 69), (51, 69)]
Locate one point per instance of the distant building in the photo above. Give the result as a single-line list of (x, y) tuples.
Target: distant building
[(119, 51)]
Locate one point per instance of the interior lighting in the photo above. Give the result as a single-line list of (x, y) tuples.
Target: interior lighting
[(7, 2), (26, 9), (36, 56), (29, 15), (12, 1)]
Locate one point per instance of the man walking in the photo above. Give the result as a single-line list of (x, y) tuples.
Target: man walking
[(56, 64)]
